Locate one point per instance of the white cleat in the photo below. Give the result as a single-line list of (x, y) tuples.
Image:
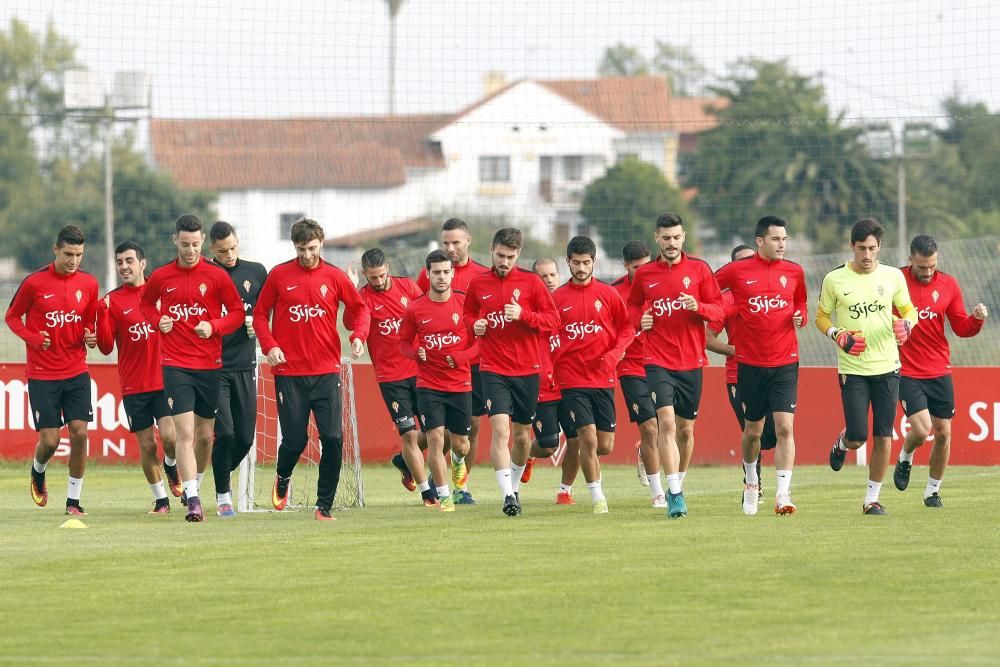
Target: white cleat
[(660, 502), (750, 499), (783, 504)]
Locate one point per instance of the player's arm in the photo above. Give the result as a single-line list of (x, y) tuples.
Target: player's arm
[(105, 327), (800, 301), (625, 332), (147, 302), (470, 308), (710, 299), (467, 354), (357, 317), (543, 316), (908, 316), (851, 342), (90, 317), (235, 316), (962, 323), (636, 302), (18, 307), (713, 344), (407, 332), (262, 315)]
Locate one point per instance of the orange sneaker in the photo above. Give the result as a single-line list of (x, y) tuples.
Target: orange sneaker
[(39, 492), (564, 498), (528, 468), (280, 491)]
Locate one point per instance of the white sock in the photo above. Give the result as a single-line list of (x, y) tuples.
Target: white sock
[(674, 483), (515, 475), (38, 467), (169, 461), (223, 499), (424, 486), (784, 483), (443, 491), (903, 456), (566, 488), (191, 488), (933, 486), (682, 474), (596, 492), (74, 488), (655, 486), (200, 476), (750, 472), (503, 480), (871, 496), (159, 491), (456, 458)]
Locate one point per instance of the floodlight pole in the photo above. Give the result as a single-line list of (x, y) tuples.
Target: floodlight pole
[(109, 204), (901, 203)]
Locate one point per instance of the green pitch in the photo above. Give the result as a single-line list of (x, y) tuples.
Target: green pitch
[(395, 583)]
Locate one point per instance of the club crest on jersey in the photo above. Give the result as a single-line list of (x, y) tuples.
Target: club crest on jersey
[(79, 295), (403, 301), (783, 280), (880, 290), (395, 406), (323, 289), (246, 286), (516, 293), (202, 288), (454, 318), (935, 295), (598, 305), (687, 282)]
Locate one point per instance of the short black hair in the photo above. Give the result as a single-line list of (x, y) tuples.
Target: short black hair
[(634, 250), (581, 245), (436, 257), (669, 220), (766, 223), (373, 258), (738, 249), (454, 223), (125, 246), (221, 230), (508, 236), (866, 227), (188, 223), (923, 245), (70, 235)]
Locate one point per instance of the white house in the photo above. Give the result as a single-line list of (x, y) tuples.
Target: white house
[(525, 151)]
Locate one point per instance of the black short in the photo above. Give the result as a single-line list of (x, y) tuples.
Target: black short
[(192, 390), (237, 415), (766, 390), (546, 424), (936, 395), (769, 438), (401, 401), (582, 407), (450, 409), (635, 389), (514, 396), (678, 389), (143, 409), (478, 397), (57, 402), (857, 392)]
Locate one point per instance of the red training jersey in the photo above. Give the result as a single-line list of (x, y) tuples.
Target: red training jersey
[(631, 364), (437, 327), (463, 274), (510, 347), (728, 324), (677, 340), (121, 322), (387, 310), (548, 388), (297, 312), (926, 353), (767, 294), (61, 305), (593, 334)]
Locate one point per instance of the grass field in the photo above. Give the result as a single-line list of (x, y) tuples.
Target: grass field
[(395, 583)]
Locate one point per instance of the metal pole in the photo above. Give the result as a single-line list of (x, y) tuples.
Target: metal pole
[(109, 210), (392, 64), (901, 193)]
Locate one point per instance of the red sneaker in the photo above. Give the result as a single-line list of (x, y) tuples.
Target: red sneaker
[(564, 498), (39, 492), (280, 491), (528, 467)]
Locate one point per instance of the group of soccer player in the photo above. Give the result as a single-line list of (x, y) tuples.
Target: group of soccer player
[(536, 356)]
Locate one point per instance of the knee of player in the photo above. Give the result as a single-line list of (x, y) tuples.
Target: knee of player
[(77, 432), (942, 431), (648, 429)]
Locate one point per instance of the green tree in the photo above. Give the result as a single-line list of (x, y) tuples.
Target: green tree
[(623, 204), (685, 73), (622, 60)]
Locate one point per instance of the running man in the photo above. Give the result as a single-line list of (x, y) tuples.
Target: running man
[(671, 300), (120, 323), (926, 391), (236, 420), (185, 300), (861, 295), (769, 293), (296, 322), (58, 304), (507, 308)]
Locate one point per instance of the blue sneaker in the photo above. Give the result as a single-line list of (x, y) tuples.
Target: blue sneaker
[(462, 497), (225, 510), (676, 507)]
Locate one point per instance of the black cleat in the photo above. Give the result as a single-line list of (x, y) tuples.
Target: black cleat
[(838, 455), (511, 507), (901, 475), (406, 479), (184, 498), (933, 500), (873, 509), (173, 480)]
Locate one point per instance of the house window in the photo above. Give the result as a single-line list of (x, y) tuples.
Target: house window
[(494, 169), (285, 222), (573, 167)]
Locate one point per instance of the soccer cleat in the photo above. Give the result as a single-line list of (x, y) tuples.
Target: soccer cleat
[(39, 492), (459, 473), (901, 475), (429, 497), (660, 502), (838, 455), (184, 498), (406, 478), (933, 500), (280, 492), (783, 504), (447, 504), (676, 506), (529, 466), (73, 508), (640, 470), (462, 497), (225, 510), (565, 498), (194, 514), (431, 502), (601, 506), (750, 499), (873, 509), (173, 480), (323, 514), (161, 506), (511, 506)]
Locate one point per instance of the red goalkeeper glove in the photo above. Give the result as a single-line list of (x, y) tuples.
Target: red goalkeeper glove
[(901, 329), (851, 342)]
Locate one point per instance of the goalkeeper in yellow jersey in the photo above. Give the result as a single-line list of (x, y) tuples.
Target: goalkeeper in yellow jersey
[(859, 296)]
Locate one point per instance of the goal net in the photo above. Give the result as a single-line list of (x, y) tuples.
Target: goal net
[(258, 468)]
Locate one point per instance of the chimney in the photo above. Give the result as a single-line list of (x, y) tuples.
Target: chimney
[(493, 81)]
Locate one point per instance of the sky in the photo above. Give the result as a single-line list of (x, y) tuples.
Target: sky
[(879, 59)]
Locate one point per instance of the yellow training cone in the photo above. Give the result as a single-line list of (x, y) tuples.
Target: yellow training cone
[(73, 523)]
